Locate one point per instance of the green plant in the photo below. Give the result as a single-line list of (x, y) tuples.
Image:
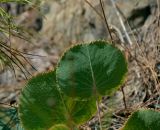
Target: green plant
[(9, 119), (65, 98), (9, 29), (43, 106), (90, 70), (143, 119)]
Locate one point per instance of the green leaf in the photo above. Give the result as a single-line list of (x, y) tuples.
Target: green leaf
[(80, 110), (59, 127), (143, 120), (92, 69), (17, 1), (42, 106), (40, 103)]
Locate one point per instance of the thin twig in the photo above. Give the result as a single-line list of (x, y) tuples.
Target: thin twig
[(124, 98), (99, 14), (158, 11), (6, 104), (107, 25), (99, 115)]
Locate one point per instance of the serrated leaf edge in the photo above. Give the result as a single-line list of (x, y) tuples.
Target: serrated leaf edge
[(140, 109)]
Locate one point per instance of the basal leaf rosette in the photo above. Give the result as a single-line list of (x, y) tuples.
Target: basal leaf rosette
[(86, 70)]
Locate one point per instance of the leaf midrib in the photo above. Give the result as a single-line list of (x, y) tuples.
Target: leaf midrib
[(92, 73)]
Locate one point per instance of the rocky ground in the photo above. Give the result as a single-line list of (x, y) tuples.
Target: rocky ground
[(59, 24)]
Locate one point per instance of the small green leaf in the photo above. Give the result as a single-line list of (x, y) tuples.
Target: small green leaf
[(92, 69), (143, 120), (59, 127), (80, 110), (42, 106)]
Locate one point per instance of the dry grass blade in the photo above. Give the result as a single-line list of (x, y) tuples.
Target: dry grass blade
[(121, 22), (97, 12), (18, 53), (10, 56), (10, 59)]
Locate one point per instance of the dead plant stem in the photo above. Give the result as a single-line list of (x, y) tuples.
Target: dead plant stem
[(99, 14), (106, 22), (99, 115), (158, 12), (124, 98)]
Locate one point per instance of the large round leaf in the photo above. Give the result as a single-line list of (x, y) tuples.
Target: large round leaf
[(41, 106), (143, 120), (91, 69)]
